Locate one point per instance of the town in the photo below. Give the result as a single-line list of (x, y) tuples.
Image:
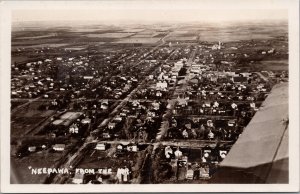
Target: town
[(137, 104)]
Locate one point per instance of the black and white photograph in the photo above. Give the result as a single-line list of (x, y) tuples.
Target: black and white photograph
[(150, 95)]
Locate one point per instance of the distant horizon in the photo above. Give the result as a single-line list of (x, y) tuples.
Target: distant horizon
[(78, 23), (149, 16)]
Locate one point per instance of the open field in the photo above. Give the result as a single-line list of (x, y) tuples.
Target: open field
[(139, 40), (36, 37), (27, 118), (42, 159), (133, 30), (36, 42), (109, 35), (227, 33), (275, 65), (53, 45), (145, 35), (181, 38)]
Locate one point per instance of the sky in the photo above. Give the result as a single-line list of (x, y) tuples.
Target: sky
[(149, 15)]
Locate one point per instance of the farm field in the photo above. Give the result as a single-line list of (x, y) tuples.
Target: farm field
[(181, 38), (139, 40), (109, 35)]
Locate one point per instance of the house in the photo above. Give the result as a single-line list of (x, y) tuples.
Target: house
[(161, 85), (132, 148), (155, 105), (100, 146), (104, 104), (214, 78), (86, 121), (229, 73), (78, 178), (182, 102), (118, 119), (174, 163), (204, 172), (223, 153), (111, 125), (231, 123), (246, 74), (123, 114), (59, 147), (160, 76), (47, 60), (32, 148), (271, 51), (190, 174), (168, 151), (106, 135), (195, 69), (158, 94), (120, 147), (182, 168), (88, 77), (216, 46), (135, 103), (73, 128)]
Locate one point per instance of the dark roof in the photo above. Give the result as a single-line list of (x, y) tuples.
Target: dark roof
[(239, 79)]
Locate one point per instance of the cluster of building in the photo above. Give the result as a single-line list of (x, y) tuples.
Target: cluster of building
[(138, 121), (119, 102)]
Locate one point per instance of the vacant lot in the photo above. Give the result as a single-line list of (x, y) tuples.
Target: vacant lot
[(27, 118)]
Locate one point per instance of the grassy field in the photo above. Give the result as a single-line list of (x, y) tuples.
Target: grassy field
[(276, 65), (41, 159), (27, 118)]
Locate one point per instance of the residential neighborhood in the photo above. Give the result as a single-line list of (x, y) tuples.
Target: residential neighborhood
[(139, 104)]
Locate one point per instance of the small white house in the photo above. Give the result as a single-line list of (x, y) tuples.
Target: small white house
[(32, 148), (59, 147), (100, 146)]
